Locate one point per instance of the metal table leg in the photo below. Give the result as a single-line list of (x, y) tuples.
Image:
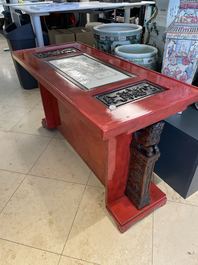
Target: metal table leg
[(36, 24)]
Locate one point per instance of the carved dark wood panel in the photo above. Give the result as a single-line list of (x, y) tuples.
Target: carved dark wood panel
[(128, 94), (56, 52)]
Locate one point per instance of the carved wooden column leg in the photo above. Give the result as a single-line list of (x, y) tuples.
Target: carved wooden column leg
[(144, 154)]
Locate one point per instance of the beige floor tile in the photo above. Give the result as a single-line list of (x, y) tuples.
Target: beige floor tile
[(172, 195), (31, 123), (9, 83), (95, 238), (11, 92), (175, 236), (40, 213), (58, 135), (9, 116), (14, 254), (94, 181), (3, 43), (8, 76), (6, 125), (8, 184), (24, 98), (61, 162), (18, 152), (12, 113), (71, 261)]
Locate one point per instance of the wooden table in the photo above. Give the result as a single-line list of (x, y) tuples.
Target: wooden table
[(116, 133)]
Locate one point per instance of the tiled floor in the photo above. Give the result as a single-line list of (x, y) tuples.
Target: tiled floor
[(52, 207)]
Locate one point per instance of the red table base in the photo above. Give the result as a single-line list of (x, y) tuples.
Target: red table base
[(126, 214)]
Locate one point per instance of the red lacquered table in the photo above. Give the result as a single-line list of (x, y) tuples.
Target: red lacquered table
[(111, 112)]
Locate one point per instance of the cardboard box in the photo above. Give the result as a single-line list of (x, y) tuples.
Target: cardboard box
[(78, 34), (51, 35), (57, 36), (83, 35), (65, 35)]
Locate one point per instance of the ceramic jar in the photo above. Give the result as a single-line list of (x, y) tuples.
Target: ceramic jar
[(109, 36), (141, 54)]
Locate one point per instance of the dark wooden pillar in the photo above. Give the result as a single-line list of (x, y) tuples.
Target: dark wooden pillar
[(144, 154)]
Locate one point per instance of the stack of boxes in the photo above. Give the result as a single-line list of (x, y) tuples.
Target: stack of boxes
[(78, 34)]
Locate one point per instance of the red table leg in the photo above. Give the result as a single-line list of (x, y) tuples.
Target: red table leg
[(50, 105)]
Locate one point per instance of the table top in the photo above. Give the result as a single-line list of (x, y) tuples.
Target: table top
[(72, 6), (132, 116)]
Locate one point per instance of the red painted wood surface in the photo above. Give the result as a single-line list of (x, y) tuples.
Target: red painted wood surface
[(103, 137)]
